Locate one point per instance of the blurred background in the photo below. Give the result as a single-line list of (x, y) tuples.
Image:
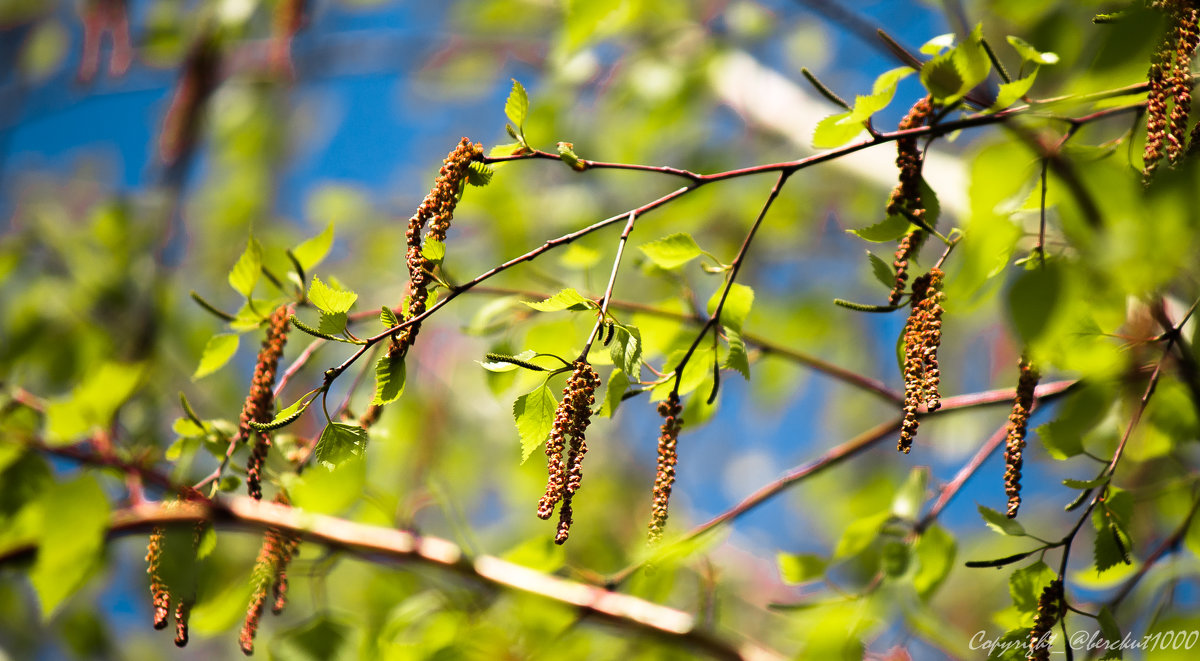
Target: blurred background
[(143, 142)]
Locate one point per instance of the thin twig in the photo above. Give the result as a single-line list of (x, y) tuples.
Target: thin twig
[(612, 281)]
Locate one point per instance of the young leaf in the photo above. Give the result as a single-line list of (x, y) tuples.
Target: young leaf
[(618, 383), (389, 379), (881, 95), (941, 77), (891, 228), (1000, 523), (830, 133), (934, 551), (340, 441), (737, 358), (479, 173), (626, 350), (433, 251), (795, 569), (330, 300), (972, 61), (1025, 585), (1030, 54), (534, 414), (737, 305), (859, 534), (935, 46), (71, 540), (247, 269), (567, 299), (331, 324), (219, 349), (1111, 632), (311, 252), (506, 149), (1083, 484), (672, 251), (1010, 92), (882, 270), (387, 317), (566, 151), (1033, 300), (517, 106), (907, 502)]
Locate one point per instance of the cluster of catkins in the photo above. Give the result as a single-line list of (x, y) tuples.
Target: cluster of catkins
[(160, 592), (905, 199), (565, 472), (1050, 607), (664, 479), (100, 17), (1018, 423), (270, 575), (1170, 79), (922, 337), (435, 211), (260, 402)]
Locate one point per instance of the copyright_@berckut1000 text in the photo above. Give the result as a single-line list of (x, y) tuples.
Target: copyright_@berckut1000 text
[(1091, 640)]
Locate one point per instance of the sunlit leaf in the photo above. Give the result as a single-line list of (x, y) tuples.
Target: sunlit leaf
[(737, 305), (567, 299), (389, 379), (246, 271), (313, 251), (219, 349), (72, 538), (799, 568), (672, 251), (534, 414), (338, 442)]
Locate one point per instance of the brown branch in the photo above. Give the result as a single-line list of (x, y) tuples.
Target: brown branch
[(622, 610), (846, 450)]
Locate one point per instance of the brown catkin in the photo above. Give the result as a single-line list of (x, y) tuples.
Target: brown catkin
[(196, 83), (99, 17), (1018, 423), (260, 402), (161, 599), (436, 212), (1186, 38), (285, 23), (565, 473), (905, 198), (1050, 607), (269, 576), (664, 479), (922, 337)]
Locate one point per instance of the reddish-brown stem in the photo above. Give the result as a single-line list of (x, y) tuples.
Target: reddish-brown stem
[(608, 291)]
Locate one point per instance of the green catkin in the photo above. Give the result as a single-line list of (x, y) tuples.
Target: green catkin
[(1018, 423)]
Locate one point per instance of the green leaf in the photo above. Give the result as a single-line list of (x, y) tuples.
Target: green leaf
[(909, 497), (881, 95), (929, 200), (433, 251), (737, 305), (1000, 523), (321, 638), (971, 60), (672, 251), (698, 369), (330, 300), (329, 491), (387, 317), (941, 77), (859, 534), (517, 105), (247, 269), (566, 151), (1084, 484), (332, 324), (737, 358), (891, 228), (92, 403), (311, 252), (506, 149), (1009, 93), (338, 442), (882, 270), (831, 133), (626, 350), (389, 379), (938, 44), (208, 542), (799, 568), (618, 383), (894, 558), (534, 414), (1030, 54), (567, 299), (1082, 409), (75, 516), (1025, 585), (479, 173), (1033, 299), (1111, 632), (219, 349), (935, 551)]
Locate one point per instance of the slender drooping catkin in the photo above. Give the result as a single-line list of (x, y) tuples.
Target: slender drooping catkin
[(1049, 610), (182, 610), (197, 81), (436, 212), (664, 479), (269, 577), (260, 402), (99, 17), (1018, 423), (161, 599), (1170, 82), (905, 199), (571, 419), (1186, 37), (922, 337), (285, 23)]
